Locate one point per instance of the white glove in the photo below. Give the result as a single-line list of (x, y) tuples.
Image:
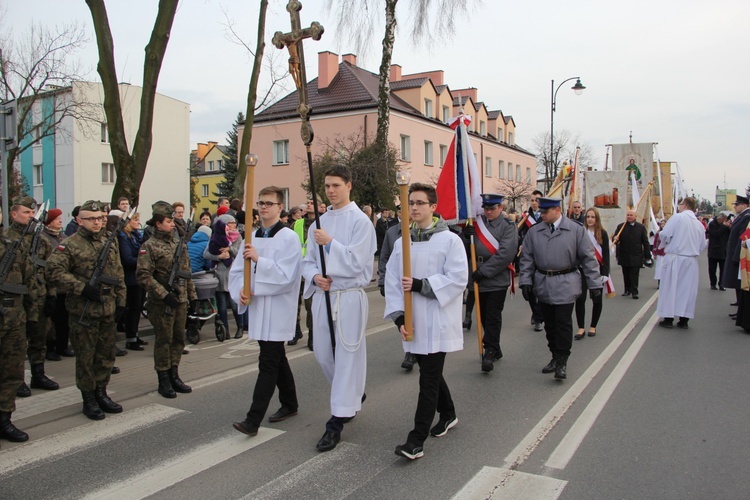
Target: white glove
[(605, 279)]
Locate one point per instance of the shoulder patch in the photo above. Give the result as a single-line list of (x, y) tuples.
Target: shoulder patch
[(142, 251), (61, 247)]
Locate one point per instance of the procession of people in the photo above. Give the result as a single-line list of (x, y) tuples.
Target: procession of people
[(97, 276)]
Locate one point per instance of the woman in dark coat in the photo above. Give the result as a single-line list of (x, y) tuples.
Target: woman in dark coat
[(593, 224), (130, 240)]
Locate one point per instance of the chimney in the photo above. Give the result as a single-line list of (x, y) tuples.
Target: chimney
[(350, 58), (395, 75), (328, 68)]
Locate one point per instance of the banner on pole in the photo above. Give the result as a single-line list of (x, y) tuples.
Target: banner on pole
[(604, 190)]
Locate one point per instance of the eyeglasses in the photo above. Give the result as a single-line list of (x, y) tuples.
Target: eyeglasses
[(266, 204), (419, 203), (94, 219)]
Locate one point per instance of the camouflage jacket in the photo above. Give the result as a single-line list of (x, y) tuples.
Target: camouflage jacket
[(21, 273), (71, 265), (40, 259), (54, 239), (155, 265)]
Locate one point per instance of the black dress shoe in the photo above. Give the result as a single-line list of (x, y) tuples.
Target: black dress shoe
[(626, 294), (246, 427), (666, 323), (282, 414), (734, 304), (134, 346), (722, 289), (329, 441), (635, 296), (713, 287), (733, 316), (682, 324), (550, 366), (141, 341), (120, 352), (115, 370), (52, 356), (68, 353)]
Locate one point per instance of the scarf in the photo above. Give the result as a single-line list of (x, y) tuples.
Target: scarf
[(609, 285)]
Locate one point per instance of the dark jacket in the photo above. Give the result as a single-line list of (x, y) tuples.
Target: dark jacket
[(494, 267), (71, 228), (732, 260), (717, 235), (130, 245), (633, 247)]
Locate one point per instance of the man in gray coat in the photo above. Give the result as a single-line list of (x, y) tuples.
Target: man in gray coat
[(495, 249), (553, 250)]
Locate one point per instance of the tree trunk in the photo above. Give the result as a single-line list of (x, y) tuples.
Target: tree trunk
[(384, 88), (252, 94)]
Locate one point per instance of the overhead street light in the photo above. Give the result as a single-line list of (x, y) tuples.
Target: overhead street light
[(578, 88)]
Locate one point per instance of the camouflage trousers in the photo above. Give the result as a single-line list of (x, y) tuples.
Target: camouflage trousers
[(12, 354), (37, 348), (169, 333), (94, 346)]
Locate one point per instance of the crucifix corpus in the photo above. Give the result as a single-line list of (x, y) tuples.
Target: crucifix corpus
[(293, 42)]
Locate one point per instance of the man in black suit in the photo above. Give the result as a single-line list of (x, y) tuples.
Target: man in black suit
[(633, 249), (717, 233), (732, 262)]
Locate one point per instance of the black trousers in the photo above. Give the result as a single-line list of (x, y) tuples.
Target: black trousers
[(62, 329), (581, 306), (712, 263), (630, 276), (434, 395), (491, 308), (536, 311), (558, 325), (273, 371), (134, 306)]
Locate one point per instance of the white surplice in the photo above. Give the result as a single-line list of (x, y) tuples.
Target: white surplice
[(683, 239), (437, 321), (349, 263), (275, 286)]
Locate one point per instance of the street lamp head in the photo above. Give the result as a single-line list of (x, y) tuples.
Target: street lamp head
[(251, 159), (578, 87)]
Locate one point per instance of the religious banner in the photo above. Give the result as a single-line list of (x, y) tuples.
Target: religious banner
[(606, 191), (639, 159)]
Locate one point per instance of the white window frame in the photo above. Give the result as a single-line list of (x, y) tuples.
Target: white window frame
[(511, 171), (428, 156), (428, 108), (510, 138), (210, 167), (443, 154), (405, 147), (220, 164), (104, 133), (487, 166), (500, 134), (528, 175), (501, 169), (482, 128), (204, 190), (518, 173), (108, 173), (446, 114), (281, 152), (38, 175)]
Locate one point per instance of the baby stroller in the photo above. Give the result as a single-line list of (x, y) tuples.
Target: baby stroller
[(206, 284)]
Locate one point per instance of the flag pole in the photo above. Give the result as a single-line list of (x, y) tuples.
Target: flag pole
[(402, 178)]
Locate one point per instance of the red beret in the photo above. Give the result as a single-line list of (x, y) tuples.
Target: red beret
[(52, 215), (222, 210)]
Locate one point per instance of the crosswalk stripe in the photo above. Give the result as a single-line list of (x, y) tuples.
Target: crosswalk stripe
[(187, 465), (498, 483), (83, 437)]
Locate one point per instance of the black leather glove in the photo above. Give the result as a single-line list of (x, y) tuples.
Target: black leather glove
[(119, 313), (30, 328), (193, 307), (91, 293), (469, 230), (595, 294), (176, 291), (477, 276), (172, 301), (416, 285), (50, 305), (382, 290), (526, 291)]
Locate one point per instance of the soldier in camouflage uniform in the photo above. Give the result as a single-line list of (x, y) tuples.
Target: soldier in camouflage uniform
[(167, 308), (37, 339), (18, 315), (71, 266)]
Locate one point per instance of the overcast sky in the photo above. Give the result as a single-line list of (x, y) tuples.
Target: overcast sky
[(674, 72)]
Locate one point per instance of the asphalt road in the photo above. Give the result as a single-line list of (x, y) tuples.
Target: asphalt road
[(645, 413)]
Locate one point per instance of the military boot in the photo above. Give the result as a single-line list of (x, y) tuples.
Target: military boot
[(23, 391), (561, 367), (41, 381), (165, 385), (9, 431), (177, 384), (105, 402), (90, 406)]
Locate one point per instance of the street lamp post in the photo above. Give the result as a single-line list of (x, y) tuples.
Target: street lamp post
[(578, 89)]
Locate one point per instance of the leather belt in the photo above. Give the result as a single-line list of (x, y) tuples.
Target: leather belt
[(558, 273)]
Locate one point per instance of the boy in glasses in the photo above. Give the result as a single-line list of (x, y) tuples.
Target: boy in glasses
[(272, 252)]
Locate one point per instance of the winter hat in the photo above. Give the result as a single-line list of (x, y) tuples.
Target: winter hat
[(205, 230), (226, 218), (52, 215), (222, 210), (115, 213)]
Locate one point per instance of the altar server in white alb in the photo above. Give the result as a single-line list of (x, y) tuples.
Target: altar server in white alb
[(276, 265), (437, 282), (348, 240), (683, 239)]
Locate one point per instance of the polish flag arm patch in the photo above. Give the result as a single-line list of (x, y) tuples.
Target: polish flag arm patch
[(142, 252)]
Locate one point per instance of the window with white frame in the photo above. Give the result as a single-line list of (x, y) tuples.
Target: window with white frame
[(501, 169), (488, 167), (528, 175), (428, 108), (220, 164), (405, 148), (443, 154), (446, 114), (428, 153), (108, 173), (482, 129), (204, 190), (500, 134), (210, 166), (518, 173), (38, 175), (510, 138), (104, 133), (510, 171), (281, 152)]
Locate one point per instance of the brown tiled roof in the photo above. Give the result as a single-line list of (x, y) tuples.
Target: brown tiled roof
[(413, 83), (352, 88), (509, 119), (440, 88), (464, 98), (493, 115)]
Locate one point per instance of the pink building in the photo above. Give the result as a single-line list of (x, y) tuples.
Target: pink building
[(344, 102)]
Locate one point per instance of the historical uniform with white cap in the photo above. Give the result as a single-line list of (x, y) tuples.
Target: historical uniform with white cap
[(495, 248), (553, 252)]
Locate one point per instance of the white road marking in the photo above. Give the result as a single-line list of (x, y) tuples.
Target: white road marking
[(185, 466), (569, 444), (83, 437), (498, 483)]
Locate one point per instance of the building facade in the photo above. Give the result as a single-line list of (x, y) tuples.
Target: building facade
[(208, 169), (344, 102)]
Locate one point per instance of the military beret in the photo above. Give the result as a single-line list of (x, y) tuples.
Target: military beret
[(92, 206), (492, 198), (163, 208), (25, 201), (545, 203)]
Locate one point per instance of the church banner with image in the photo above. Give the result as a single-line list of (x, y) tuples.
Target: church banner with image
[(639, 159), (606, 191)]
